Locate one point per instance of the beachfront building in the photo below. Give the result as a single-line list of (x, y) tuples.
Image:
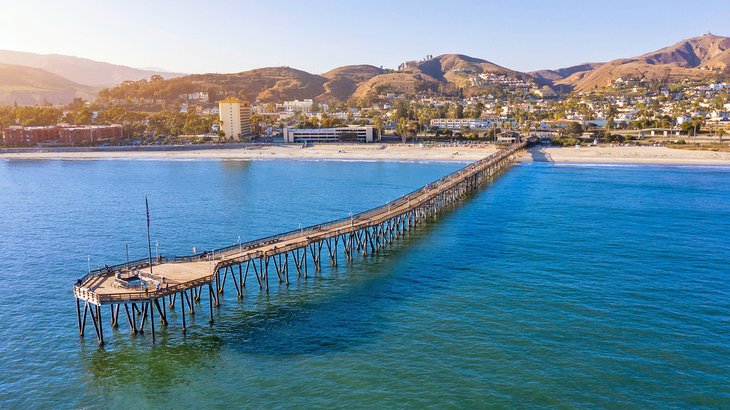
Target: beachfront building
[(296, 105), (339, 134), (61, 134), (235, 117), (459, 123)]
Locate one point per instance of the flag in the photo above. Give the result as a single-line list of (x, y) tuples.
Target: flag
[(147, 206), (149, 240)]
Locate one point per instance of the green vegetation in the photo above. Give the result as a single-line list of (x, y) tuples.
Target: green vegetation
[(565, 142), (136, 123), (573, 128), (29, 116)]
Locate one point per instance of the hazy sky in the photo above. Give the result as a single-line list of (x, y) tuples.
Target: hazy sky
[(229, 36)]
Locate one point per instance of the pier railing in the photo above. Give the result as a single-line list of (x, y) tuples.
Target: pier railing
[(364, 232), (121, 266), (364, 215), (474, 166)]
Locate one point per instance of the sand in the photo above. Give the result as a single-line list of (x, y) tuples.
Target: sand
[(361, 152), (393, 152), (627, 155)]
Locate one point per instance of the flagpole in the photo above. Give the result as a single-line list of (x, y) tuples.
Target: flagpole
[(149, 240)]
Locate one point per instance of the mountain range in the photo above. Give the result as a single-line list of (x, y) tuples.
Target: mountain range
[(28, 78)]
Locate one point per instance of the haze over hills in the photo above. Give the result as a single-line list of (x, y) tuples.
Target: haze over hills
[(81, 70), (62, 77), (27, 86)]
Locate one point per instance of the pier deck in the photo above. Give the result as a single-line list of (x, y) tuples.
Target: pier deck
[(143, 284)]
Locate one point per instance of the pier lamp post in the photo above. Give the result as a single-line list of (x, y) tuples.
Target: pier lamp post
[(88, 263), (352, 222), (239, 243), (157, 253)]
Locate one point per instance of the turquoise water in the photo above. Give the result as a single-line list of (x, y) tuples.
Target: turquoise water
[(559, 285)]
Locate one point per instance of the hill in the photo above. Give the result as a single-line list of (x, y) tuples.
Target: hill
[(28, 85), (698, 57), (444, 72), (80, 70), (342, 82), (268, 84), (548, 77)]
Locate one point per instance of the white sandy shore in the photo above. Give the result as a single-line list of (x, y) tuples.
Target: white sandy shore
[(397, 152), (627, 155), (376, 152)]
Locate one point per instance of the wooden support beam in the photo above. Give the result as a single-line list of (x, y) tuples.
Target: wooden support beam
[(210, 302), (160, 310), (182, 310)]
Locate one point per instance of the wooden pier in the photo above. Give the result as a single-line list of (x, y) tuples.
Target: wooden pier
[(144, 289)]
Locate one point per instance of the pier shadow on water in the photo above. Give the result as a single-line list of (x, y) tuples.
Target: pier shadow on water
[(338, 310), (539, 154), (333, 311)]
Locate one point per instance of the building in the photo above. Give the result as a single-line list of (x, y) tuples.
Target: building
[(459, 123), (62, 134), (339, 134), (296, 105), (17, 135), (505, 138), (235, 116), (196, 96), (85, 134)]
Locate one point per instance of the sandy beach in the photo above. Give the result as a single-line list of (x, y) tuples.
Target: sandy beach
[(357, 152), (389, 152), (627, 155)]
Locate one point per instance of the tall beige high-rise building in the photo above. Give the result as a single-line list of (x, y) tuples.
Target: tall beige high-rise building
[(235, 116)]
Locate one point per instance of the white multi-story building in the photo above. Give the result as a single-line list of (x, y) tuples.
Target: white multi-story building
[(459, 123), (196, 96), (339, 134), (296, 105), (235, 117)]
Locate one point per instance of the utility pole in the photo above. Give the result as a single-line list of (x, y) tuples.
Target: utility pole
[(149, 240)]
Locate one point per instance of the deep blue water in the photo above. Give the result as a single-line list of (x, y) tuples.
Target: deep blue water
[(558, 285)]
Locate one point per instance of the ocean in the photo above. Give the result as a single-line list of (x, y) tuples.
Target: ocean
[(558, 285)]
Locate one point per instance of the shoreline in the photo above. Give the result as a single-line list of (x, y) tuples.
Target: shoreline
[(342, 152), (378, 152)]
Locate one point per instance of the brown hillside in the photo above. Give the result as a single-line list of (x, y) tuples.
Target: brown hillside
[(343, 81), (29, 86), (687, 59), (548, 77), (456, 68), (401, 83), (444, 70), (268, 84), (80, 70)]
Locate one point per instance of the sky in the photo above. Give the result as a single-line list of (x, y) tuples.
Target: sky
[(318, 35)]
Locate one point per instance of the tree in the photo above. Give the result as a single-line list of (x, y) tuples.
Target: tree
[(573, 128), (84, 116), (378, 123), (402, 129), (691, 127), (401, 110), (77, 104)]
